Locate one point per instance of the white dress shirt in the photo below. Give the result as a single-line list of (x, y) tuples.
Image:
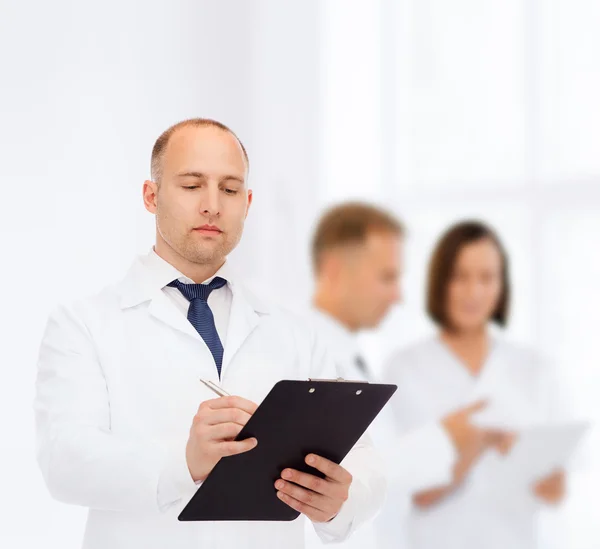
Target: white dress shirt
[(219, 300)]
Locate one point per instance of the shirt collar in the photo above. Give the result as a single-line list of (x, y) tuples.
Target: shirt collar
[(162, 272), (150, 273)]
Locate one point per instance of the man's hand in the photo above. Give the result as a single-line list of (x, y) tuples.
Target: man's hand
[(551, 489), (320, 499), (215, 426)]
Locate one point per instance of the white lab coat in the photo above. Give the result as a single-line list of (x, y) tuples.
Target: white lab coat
[(402, 455), (432, 382), (117, 389)]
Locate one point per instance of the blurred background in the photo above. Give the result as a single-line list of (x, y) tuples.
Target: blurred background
[(437, 109)]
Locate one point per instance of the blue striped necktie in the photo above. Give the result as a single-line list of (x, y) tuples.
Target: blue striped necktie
[(200, 315)]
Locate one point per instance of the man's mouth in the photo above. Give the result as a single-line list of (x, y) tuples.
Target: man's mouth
[(208, 229)]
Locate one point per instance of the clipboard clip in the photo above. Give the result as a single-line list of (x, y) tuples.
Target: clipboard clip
[(339, 380)]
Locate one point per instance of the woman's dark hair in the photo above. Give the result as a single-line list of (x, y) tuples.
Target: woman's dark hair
[(442, 265)]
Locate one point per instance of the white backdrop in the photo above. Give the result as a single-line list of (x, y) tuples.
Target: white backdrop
[(437, 109)]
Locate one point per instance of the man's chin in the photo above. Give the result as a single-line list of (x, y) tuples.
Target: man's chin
[(204, 254), (371, 324)]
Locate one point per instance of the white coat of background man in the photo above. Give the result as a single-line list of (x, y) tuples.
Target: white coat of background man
[(125, 428), (357, 262)]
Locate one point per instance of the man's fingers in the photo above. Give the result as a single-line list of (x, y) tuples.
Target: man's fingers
[(313, 514), (315, 484), (329, 468), (234, 447), (227, 415), (232, 402), (318, 501), (224, 431)]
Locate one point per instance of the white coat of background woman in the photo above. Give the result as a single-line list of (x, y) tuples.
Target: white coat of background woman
[(468, 290)]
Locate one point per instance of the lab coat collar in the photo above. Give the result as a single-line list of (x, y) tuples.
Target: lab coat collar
[(150, 274)]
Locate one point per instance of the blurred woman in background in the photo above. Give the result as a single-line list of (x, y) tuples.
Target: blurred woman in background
[(468, 290)]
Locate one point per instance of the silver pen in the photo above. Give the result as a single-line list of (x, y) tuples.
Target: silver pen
[(215, 388)]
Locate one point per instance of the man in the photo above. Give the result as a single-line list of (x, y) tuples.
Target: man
[(118, 375), (357, 258)]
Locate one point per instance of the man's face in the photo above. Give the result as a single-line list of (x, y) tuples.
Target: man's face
[(371, 278), (202, 200)]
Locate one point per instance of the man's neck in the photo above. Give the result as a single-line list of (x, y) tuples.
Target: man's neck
[(194, 271), (329, 306)]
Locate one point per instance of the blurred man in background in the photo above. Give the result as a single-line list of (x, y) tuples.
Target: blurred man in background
[(356, 256)]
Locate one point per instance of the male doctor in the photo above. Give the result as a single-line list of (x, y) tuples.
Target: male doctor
[(124, 426), (357, 261)]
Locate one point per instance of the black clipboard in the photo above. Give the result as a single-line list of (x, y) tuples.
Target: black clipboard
[(324, 417)]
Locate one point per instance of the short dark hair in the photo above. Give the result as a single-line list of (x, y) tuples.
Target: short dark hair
[(442, 266), (350, 223), (161, 143)]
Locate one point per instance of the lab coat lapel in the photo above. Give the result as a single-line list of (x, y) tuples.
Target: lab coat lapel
[(139, 287), (246, 310), (164, 310)]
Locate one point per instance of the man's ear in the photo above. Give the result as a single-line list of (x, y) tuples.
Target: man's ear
[(150, 195), (331, 265), (249, 202)]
